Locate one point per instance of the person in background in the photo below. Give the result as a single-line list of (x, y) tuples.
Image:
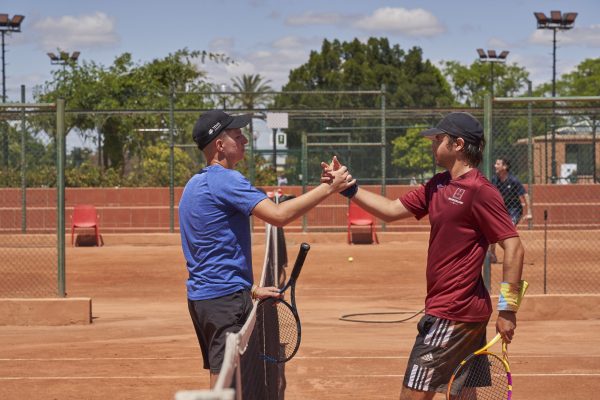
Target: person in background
[(466, 214), (514, 195), (214, 220)]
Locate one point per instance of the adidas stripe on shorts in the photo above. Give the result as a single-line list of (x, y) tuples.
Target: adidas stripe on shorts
[(439, 347)]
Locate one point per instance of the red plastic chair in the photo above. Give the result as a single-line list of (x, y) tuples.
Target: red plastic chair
[(359, 217), (85, 216)]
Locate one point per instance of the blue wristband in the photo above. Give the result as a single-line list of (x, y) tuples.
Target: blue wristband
[(350, 192)]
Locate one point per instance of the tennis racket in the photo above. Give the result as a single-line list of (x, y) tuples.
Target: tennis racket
[(280, 319), (484, 375)]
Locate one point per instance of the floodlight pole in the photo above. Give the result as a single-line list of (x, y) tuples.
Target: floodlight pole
[(492, 57), (557, 21), (7, 25)]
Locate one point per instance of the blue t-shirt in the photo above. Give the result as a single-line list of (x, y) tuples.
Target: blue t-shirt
[(214, 220)]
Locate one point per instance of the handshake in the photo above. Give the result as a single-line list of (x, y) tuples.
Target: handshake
[(339, 178)]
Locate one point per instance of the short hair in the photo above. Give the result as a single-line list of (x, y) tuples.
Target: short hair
[(473, 151), (505, 162)]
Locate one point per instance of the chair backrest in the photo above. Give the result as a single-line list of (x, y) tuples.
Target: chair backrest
[(84, 213), (357, 213)]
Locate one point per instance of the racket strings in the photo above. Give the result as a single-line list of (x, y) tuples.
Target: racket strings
[(483, 377), (281, 330), (288, 331)]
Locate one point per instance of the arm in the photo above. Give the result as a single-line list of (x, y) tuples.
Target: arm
[(526, 204), (283, 213), (511, 272), (377, 205), (386, 209)]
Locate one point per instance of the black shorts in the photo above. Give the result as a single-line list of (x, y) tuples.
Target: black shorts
[(439, 347), (213, 319)]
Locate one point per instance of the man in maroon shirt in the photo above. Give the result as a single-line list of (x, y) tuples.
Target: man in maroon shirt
[(466, 213)]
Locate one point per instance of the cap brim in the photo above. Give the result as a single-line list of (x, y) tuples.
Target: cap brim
[(239, 121), (432, 132)]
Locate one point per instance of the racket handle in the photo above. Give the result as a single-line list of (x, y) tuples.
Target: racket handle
[(304, 248)]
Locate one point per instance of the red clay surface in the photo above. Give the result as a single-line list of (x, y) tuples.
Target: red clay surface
[(141, 343)]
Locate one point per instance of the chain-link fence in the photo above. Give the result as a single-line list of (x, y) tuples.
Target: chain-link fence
[(133, 164), (551, 148), (30, 248)]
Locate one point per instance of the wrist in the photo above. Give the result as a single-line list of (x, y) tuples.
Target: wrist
[(350, 192), (253, 293)]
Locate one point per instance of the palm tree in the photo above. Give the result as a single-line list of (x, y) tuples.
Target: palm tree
[(253, 91)]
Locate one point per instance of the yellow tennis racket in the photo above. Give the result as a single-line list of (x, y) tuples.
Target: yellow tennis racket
[(484, 375)]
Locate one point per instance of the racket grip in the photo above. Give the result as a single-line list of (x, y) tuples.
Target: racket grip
[(304, 248)]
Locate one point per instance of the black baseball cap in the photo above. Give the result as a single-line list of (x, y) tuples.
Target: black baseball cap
[(210, 124), (459, 124)]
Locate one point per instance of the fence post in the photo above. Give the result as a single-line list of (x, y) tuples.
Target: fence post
[(304, 172), (60, 191), (171, 160), (487, 170), (383, 147), (529, 153), (23, 167)]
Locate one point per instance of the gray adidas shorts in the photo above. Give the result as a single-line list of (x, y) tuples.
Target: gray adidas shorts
[(439, 347)]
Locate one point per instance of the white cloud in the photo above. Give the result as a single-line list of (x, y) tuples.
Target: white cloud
[(272, 62), (312, 18), (498, 44), (70, 32), (415, 22), (221, 44), (587, 36)]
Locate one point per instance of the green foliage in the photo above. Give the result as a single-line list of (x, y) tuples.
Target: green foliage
[(264, 173), (126, 85), (471, 83), (412, 153), (154, 168), (410, 81)]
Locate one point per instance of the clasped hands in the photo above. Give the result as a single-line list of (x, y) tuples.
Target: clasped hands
[(336, 175)]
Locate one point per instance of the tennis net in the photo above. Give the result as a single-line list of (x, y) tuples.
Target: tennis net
[(245, 374)]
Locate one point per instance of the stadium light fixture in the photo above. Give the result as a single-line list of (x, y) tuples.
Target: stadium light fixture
[(63, 58), (557, 22), (492, 57), (7, 26)]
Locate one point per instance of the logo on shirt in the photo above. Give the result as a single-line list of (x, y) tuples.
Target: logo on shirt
[(457, 196)]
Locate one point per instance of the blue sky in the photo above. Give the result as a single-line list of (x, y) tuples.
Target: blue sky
[(272, 36)]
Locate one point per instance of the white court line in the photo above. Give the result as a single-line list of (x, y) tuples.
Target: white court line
[(45, 378), (42, 378), (101, 359), (512, 356)]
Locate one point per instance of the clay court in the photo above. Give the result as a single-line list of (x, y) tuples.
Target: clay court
[(141, 344)]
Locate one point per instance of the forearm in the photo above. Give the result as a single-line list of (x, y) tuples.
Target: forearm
[(514, 253), (284, 213), (381, 207)]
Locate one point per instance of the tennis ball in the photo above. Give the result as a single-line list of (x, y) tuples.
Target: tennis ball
[(350, 259)]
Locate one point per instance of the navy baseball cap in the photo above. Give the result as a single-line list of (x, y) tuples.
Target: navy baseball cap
[(459, 124), (210, 124)]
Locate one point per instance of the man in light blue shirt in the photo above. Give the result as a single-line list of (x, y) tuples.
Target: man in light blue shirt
[(214, 219)]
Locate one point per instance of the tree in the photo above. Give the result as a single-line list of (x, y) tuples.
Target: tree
[(113, 100), (410, 81), (253, 92), (412, 153), (471, 83)]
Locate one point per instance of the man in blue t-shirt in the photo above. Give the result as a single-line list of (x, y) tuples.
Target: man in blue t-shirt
[(214, 219), (514, 195)]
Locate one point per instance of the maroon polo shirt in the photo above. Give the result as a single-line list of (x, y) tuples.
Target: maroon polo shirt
[(466, 215)]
